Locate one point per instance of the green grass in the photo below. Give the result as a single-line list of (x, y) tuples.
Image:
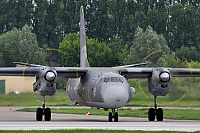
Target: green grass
[(87, 131), (178, 114), (185, 92), (33, 99)]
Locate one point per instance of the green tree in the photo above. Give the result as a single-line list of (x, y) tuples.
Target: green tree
[(147, 46), (156, 19), (119, 51), (175, 62), (69, 49), (40, 56), (2, 16), (52, 20), (1, 60), (27, 45), (15, 13), (105, 19), (183, 26), (20, 45), (188, 53), (170, 60), (99, 54), (39, 21), (8, 44)]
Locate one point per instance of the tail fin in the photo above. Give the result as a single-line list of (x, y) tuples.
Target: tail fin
[(83, 50)]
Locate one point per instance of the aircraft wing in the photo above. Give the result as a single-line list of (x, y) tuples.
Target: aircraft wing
[(15, 71), (184, 72), (33, 71), (146, 72), (74, 72), (70, 72)]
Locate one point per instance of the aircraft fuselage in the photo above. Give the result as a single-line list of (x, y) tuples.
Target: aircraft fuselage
[(101, 89)]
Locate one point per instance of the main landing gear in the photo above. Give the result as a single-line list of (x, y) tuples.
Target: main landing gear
[(43, 111), (112, 115), (155, 112)]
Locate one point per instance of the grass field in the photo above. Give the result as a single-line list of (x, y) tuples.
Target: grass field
[(33, 99), (185, 92)]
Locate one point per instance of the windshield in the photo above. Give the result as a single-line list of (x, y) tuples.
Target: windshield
[(111, 79)]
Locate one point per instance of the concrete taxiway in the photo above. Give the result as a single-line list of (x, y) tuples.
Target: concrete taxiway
[(13, 120)]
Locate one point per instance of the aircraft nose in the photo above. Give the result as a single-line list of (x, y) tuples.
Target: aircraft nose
[(116, 96)]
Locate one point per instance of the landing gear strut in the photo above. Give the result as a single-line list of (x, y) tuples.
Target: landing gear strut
[(155, 112), (43, 111), (112, 115)]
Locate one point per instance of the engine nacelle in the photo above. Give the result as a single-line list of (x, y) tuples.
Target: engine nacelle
[(45, 81), (159, 82)]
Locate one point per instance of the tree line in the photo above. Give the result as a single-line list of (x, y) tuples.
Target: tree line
[(160, 32)]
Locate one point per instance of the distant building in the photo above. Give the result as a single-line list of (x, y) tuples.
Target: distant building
[(16, 84)]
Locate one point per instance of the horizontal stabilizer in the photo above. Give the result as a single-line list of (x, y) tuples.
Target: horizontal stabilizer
[(132, 65), (26, 64)]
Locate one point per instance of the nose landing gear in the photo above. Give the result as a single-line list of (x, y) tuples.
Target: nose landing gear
[(112, 115)]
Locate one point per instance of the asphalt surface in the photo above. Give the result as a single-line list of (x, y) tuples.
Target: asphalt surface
[(10, 119)]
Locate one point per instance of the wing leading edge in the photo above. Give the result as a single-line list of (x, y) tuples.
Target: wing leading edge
[(130, 73), (75, 72), (23, 71), (33, 71)]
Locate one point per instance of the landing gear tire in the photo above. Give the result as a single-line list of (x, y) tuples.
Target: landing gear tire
[(151, 114), (155, 112), (159, 114), (116, 117), (47, 114), (39, 114), (112, 115), (43, 111)]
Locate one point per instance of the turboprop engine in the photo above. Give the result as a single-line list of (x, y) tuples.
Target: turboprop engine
[(45, 81), (159, 82)]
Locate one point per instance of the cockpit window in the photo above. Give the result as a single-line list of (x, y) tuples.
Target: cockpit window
[(114, 79), (106, 79), (101, 80), (121, 79), (111, 79)]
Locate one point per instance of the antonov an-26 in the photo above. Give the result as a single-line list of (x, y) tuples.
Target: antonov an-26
[(99, 87)]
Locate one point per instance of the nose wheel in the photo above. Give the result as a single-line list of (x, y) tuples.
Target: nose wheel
[(46, 112), (113, 115), (154, 112)]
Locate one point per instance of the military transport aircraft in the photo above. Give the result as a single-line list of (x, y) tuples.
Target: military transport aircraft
[(100, 87)]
